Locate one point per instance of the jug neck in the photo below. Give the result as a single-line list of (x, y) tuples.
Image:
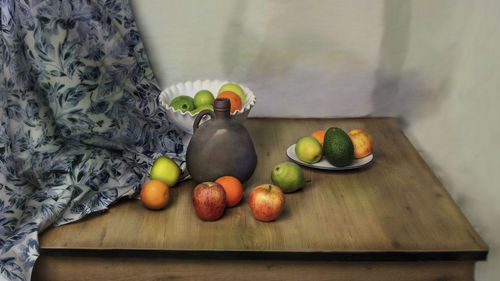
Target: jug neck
[(222, 107)]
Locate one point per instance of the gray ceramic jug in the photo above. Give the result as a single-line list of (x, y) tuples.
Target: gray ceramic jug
[(220, 146)]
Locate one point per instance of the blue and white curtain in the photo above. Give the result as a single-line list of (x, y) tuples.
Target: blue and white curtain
[(80, 123)]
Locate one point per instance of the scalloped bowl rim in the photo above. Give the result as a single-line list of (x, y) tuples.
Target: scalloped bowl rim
[(163, 97)]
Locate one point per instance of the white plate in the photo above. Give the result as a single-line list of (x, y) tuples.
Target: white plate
[(325, 165)]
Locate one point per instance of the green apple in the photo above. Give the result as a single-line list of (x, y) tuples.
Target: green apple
[(203, 97), (165, 170), (203, 107), (233, 88), (309, 150), (184, 103), (288, 176)]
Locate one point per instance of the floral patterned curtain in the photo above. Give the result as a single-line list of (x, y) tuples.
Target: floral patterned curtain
[(80, 120)]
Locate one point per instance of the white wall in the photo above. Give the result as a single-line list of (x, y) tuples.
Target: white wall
[(454, 53), (314, 56), (431, 64)]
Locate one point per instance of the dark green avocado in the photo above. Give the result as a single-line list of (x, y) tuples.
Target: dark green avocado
[(338, 147)]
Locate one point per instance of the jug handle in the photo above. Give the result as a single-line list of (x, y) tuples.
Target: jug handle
[(198, 118)]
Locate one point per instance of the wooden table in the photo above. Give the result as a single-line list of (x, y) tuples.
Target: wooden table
[(390, 221)]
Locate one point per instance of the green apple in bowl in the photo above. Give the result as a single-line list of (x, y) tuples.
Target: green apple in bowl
[(184, 103), (203, 97), (201, 108)]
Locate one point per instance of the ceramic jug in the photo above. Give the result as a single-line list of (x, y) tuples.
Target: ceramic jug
[(220, 146)]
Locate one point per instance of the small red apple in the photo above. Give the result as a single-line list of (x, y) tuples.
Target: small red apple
[(266, 202), (209, 200), (362, 143)]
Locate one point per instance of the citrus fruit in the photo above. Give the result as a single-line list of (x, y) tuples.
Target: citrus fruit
[(288, 176), (155, 194), (309, 150), (362, 142), (203, 97), (233, 98), (166, 170), (319, 135), (233, 188), (235, 89), (184, 103)]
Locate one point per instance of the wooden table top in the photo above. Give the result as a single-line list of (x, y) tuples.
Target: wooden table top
[(395, 209)]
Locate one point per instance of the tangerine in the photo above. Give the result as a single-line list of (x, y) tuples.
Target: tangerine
[(155, 194), (320, 136), (233, 98), (233, 188)]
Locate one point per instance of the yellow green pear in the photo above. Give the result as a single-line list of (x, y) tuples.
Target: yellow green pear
[(165, 170), (235, 89), (288, 176)]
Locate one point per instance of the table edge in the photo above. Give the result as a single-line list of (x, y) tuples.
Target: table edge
[(476, 255)]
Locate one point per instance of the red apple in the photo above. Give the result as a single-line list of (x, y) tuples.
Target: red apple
[(362, 142), (209, 200), (266, 202)]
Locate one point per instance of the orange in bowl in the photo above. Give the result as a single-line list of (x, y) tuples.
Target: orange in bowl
[(362, 142), (320, 136), (155, 195), (233, 188), (233, 98)]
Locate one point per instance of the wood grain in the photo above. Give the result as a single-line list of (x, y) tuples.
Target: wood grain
[(53, 268), (396, 206)]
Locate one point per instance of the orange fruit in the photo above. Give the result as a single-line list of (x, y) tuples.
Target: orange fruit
[(233, 188), (155, 194), (320, 136), (233, 98)]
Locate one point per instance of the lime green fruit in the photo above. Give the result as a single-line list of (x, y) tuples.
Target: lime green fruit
[(184, 103), (203, 97), (288, 176), (201, 108), (233, 88), (339, 150), (165, 170), (309, 150)]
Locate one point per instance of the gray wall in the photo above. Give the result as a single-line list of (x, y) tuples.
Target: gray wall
[(430, 64)]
